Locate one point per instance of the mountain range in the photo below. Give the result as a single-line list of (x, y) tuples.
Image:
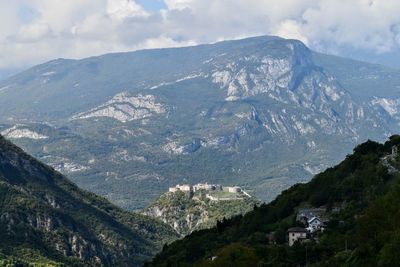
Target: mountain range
[(263, 113)]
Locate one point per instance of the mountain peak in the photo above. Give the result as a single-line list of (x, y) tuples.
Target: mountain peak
[(139, 122)]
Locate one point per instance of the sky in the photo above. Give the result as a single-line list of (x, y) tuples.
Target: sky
[(35, 31)]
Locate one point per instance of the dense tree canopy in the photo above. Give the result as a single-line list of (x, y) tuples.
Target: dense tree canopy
[(361, 197)]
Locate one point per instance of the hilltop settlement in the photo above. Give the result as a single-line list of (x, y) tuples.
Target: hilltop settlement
[(187, 208), (314, 220), (214, 192)]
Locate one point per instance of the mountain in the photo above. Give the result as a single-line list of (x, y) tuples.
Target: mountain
[(359, 197), (262, 113), (48, 221), (194, 210), (6, 73)]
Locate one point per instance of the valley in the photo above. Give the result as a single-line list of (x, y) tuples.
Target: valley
[(263, 113)]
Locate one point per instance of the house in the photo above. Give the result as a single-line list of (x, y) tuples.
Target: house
[(296, 234), (315, 219), (318, 216), (315, 224), (304, 215)]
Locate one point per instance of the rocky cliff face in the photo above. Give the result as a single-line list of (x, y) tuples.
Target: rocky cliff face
[(261, 112), (43, 215), (187, 212), (125, 108), (262, 72)]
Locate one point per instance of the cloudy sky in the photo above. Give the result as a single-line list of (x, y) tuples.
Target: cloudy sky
[(34, 31)]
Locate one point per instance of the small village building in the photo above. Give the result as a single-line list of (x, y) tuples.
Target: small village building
[(314, 219), (315, 224), (296, 234), (304, 215)]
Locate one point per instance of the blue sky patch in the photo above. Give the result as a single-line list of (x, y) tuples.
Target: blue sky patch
[(152, 5), (26, 14)]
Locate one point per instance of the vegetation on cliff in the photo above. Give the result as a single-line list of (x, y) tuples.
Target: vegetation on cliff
[(187, 212)]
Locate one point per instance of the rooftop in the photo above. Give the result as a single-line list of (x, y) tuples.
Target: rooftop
[(297, 230)]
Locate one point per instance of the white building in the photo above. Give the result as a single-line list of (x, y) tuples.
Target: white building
[(206, 186), (234, 189), (315, 224), (304, 215), (173, 189), (184, 188), (296, 234)]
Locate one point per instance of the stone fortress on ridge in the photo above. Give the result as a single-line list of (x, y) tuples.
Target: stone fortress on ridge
[(214, 192)]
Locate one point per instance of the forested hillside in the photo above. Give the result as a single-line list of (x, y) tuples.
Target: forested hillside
[(46, 219), (361, 196)]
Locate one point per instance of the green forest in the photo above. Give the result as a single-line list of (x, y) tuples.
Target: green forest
[(363, 230), (45, 220)]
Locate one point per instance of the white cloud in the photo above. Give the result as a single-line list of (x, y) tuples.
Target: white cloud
[(124, 9), (33, 32), (178, 4), (359, 23), (80, 28), (292, 30)]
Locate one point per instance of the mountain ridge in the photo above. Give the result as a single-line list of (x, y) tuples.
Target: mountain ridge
[(166, 113), (46, 218)]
